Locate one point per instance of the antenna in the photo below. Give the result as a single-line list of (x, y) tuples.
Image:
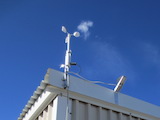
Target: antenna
[(68, 63), (120, 83)]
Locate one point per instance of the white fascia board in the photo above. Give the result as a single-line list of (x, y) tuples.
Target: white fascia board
[(55, 78), (33, 99), (39, 105)]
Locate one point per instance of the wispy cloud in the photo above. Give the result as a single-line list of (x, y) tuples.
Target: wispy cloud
[(83, 27), (108, 62), (110, 59), (151, 53)]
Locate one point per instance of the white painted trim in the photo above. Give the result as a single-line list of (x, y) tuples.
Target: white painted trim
[(39, 105)]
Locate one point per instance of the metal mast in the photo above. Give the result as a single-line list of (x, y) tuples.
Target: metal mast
[(68, 63)]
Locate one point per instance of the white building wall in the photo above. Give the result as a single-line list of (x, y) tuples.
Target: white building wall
[(55, 110), (47, 113), (80, 110)]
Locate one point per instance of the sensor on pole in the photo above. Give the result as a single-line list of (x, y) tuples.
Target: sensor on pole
[(120, 83), (68, 62)]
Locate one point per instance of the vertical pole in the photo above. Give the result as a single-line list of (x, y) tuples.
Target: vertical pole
[(66, 70), (67, 62), (67, 67)]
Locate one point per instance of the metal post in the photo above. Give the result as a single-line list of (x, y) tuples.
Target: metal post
[(68, 56), (67, 66), (67, 61)]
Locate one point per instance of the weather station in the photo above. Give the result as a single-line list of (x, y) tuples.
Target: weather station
[(68, 62), (62, 96)]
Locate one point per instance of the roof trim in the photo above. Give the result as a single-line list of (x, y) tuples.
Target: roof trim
[(33, 98)]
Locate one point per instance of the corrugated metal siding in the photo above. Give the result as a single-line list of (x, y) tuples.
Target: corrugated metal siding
[(46, 114), (86, 111), (80, 110)]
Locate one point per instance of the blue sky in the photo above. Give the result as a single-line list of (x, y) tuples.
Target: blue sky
[(118, 38)]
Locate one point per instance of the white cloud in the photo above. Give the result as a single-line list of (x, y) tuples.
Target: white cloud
[(84, 28), (108, 62), (151, 53), (109, 58)]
